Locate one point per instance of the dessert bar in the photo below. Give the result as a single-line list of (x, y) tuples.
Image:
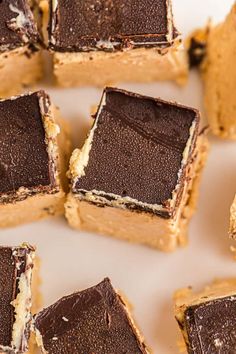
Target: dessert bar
[(207, 320), (33, 159), (20, 56), (16, 264), (220, 77), (103, 42), (136, 177), (95, 320)]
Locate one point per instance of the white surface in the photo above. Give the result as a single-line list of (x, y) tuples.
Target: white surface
[(72, 260)]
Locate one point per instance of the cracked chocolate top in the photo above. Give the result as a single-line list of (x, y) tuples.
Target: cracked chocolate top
[(13, 263), (78, 25), (24, 160), (17, 25), (137, 149), (211, 326), (91, 321)]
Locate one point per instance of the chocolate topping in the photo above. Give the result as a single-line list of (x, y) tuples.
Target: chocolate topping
[(17, 26), (92, 321), (137, 148), (12, 264), (211, 327), (24, 160), (78, 25)]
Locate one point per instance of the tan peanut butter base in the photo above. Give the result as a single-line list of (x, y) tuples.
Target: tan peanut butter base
[(220, 77), (19, 69), (136, 65)]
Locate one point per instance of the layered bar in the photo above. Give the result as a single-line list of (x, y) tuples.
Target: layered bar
[(107, 41), (95, 320), (220, 77), (207, 319), (20, 56), (16, 264), (136, 176), (33, 159)]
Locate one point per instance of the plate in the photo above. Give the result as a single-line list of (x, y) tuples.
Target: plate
[(74, 260)]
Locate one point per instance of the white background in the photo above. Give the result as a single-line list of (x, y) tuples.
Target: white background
[(72, 260)]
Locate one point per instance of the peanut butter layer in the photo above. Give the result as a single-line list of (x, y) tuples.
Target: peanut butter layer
[(95, 320), (100, 68), (19, 69), (220, 77)]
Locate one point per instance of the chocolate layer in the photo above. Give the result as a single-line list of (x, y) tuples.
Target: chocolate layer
[(137, 149), (211, 327), (91, 321), (17, 25), (13, 263), (24, 160), (78, 25)]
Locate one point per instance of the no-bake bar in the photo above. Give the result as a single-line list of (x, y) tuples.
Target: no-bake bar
[(16, 264), (137, 175), (220, 77), (207, 319), (20, 56), (95, 320), (99, 42), (33, 159)]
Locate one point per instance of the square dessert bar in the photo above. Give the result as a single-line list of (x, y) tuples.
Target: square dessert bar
[(95, 320), (208, 319), (99, 42), (137, 173), (32, 166), (220, 77), (20, 57), (16, 264)]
